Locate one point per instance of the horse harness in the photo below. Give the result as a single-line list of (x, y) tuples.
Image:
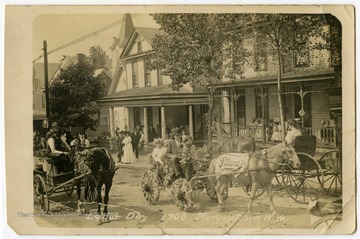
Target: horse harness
[(266, 168)]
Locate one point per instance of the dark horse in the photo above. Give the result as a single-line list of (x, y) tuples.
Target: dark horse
[(99, 162)]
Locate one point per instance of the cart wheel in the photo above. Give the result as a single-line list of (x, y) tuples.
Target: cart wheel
[(210, 190), (40, 193), (247, 189), (183, 194), (332, 172), (90, 189), (150, 187), (303, 184), (326, 222), (69, 189)]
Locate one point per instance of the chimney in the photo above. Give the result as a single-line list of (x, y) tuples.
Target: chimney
[(81, 57)]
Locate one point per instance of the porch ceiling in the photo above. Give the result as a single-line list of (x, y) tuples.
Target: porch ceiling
[(161, 95), (288, 77)]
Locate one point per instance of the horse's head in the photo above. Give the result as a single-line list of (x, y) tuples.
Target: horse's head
[(292, 157)]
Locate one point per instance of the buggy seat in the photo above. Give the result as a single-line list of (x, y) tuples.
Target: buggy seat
[(305, 144)]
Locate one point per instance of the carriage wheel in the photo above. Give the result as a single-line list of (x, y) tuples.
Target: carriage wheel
[(183, 194), (90, 188), (41, 194), (210, 190), (150, 187), (278, 177), (69, 189), (326, 222), (332, 172), (303, 184), (259, 191)]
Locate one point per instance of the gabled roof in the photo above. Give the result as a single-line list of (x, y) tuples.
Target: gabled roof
[(126, 28), (102, 71), (147, 33)]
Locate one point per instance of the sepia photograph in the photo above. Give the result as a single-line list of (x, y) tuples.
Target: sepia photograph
[(180, 120)]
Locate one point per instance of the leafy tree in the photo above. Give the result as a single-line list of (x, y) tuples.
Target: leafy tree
[(73, 94), (98, 57), (282, 35), (191, 49)]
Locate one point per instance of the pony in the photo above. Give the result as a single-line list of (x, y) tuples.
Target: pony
[(259, 169), (100, 163)]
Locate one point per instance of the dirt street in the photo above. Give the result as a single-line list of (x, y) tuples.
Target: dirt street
[(129, 209)]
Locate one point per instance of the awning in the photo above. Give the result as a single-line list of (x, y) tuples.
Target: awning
[(161, 95)]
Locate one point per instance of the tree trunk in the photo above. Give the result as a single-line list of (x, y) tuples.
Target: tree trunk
[(280, 98), (210, 115)]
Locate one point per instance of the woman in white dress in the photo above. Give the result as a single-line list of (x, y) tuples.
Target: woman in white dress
[(129, 156), (276, 136)]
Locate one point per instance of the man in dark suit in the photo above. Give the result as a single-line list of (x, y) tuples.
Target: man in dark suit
[(173, 152), (135, 139)]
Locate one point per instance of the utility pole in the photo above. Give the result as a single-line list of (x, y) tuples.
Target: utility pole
[(47, 105)]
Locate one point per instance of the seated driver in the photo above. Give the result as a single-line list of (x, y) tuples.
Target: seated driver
[(174, 151), (293, 132), (58, 147)]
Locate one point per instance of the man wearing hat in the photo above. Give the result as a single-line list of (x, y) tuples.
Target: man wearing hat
[(56, 140), (54, 129), (135, 136), (173, 150)]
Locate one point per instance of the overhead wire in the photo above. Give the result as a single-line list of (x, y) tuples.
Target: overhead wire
[(85, 37)]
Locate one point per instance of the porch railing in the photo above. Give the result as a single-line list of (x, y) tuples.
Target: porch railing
[(325, 136)]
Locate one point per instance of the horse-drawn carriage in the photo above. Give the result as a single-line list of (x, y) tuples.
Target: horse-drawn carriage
[(302, 176), (315, 176), (160, 176), (88, 169)]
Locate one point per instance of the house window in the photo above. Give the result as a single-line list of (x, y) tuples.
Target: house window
[(104, 124), (134, 69), (37, 83), (159, 77), (261, 103), (301, 52), (139, 47), (260, 55), (43, 105), (301, 55), (147, 75)]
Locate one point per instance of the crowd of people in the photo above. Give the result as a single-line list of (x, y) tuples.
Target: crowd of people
[(130, 143)]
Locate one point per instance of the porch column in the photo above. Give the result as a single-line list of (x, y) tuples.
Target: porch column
[(111, 118), (163, 122), (146, 128), (191, 122)]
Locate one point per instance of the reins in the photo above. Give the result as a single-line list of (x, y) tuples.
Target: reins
[(267, 168)]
